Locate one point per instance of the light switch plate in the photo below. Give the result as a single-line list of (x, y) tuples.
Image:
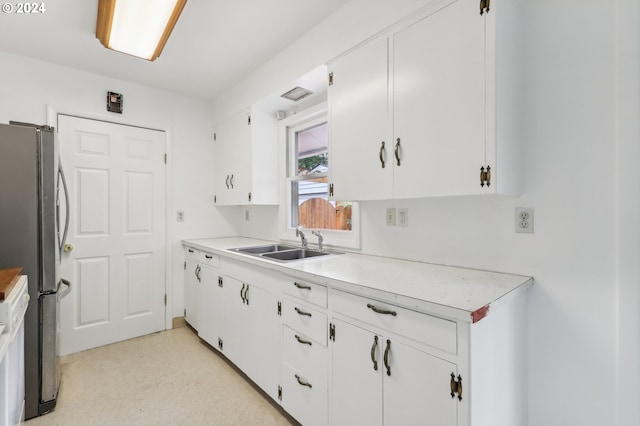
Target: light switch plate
[(391, 216)]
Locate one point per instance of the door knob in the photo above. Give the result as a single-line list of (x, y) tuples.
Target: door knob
[(68, 248)]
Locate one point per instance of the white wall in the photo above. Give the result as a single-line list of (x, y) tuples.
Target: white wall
[(579, 130), (28, 86)]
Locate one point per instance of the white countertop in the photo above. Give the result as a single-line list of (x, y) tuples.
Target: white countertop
[(457, 293)]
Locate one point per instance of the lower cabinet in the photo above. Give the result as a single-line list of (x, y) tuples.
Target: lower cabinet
[(330, 357), (377, 380), (238, 317), (192, 282)]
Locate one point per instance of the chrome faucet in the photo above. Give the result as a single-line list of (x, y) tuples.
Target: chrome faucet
[(320, 239), (303, 238)]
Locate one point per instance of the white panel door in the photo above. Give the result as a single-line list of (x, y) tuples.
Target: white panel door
[(116, 177)]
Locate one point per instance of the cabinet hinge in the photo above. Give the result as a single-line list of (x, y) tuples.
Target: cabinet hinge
[(485, 176), (185, 265), (249, 121), (220, 282), (330, 190), (484, 6), (279, 308), (165, 158), (456, 386), (185, 312), (215, 198), (249, 197), (332, 332), (331, 79), (215, 136), (280, 393), (220, 344), (165, 299)]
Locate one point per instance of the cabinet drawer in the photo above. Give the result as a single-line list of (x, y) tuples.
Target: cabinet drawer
[(306, 320), (191, 254), (309, 292), (432, 331), (304, 355), (209, 259), (303, 398)]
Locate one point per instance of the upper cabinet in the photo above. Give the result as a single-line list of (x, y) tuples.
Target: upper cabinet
[(246, 159), (417, 112)]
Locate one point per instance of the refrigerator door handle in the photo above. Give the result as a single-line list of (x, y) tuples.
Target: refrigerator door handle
[(62, 294), (63, 241)]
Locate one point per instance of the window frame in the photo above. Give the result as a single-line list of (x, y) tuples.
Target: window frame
[(286, 135)]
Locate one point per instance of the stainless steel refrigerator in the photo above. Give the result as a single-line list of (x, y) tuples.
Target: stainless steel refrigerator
[(31, 191)]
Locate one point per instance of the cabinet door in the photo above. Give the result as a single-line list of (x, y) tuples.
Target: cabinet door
[(262, 337), (417, 392), (356, 390), (209, 304), (439, 103), (240, 159), (234, 322), (191, 293), (359, 124)]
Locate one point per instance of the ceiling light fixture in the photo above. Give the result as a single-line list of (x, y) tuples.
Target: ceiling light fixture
[(137, 27), (296, 94)]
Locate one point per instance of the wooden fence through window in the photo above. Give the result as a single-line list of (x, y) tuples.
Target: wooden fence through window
[(321, 214)]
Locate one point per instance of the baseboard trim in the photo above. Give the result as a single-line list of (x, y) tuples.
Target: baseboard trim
[(178, 322)]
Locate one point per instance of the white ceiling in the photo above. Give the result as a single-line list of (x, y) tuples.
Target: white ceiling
[(215, 44)]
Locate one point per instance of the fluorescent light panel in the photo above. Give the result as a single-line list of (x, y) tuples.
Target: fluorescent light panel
[(137, 27)]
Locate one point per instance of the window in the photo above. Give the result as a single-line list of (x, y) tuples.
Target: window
[(307, 186)]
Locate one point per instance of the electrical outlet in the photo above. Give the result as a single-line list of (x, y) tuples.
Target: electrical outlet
[(180, 216), (524, 220), (403, 217), (391, 216)]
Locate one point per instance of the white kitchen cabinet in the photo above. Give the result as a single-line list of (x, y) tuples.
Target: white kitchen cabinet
[(305, 363), (246, 159), (239, 317), (379, 379), (446, 120), (192, 282), (360, 146)]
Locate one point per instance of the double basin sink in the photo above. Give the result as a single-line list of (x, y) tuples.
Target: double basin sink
[(282, 252)]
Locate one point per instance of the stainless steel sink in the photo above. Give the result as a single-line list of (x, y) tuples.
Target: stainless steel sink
[(289, 255), (264, 249), (282, 252)]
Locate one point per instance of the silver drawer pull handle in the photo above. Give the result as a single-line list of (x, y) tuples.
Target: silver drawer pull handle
[(301, 312), (302, 286), (381, 311), (302, 383), (302, 341)]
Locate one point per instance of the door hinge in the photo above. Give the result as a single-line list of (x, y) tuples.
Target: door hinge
[(215, 198), (332, 332), (280, 393), (165, 299), (331, 79), (330, 190), (249, 120), (185, 312), (484, 6), (215, 136), (456, 386), (279, 308), (185, 265), (220, 282), (165, 158), (485, 176)]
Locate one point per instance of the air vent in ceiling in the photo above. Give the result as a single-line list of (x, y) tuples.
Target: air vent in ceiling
[(296, 94)]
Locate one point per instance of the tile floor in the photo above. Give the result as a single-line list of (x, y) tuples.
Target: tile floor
[(167, 378)]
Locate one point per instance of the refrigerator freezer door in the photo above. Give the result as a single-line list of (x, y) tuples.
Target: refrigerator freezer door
[(48, 192)]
